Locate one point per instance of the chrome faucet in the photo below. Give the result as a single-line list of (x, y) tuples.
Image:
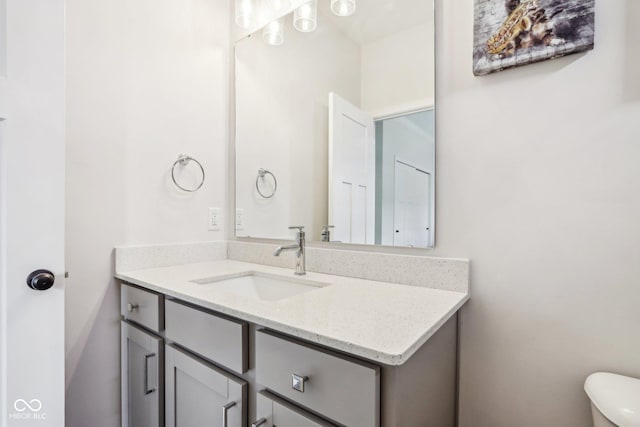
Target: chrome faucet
[(326, 233), (299, 247)]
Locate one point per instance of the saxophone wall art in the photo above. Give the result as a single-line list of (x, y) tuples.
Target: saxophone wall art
[(511, 33)]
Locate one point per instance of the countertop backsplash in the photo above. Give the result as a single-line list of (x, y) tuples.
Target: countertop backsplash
[(439, 273)]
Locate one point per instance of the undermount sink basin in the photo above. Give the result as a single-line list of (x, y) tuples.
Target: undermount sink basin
[(262, 286)]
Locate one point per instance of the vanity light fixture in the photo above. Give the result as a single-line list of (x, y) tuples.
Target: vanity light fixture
[(244, 13), (273, 32), (343, 7), (305, 18)]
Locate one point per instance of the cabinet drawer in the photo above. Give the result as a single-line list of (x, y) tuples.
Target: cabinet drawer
[(142, 307), (343, 389), (199, 394), (273, 411), (219, 339)]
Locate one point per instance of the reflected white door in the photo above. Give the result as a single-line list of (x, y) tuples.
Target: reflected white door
[(411, 212), (32, 212), (352, 157)]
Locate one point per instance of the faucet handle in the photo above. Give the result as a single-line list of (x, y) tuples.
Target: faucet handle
[(300, 233), (300, 229), (327, 227)]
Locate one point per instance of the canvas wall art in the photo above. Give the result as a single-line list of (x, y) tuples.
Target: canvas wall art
[(511, 33)]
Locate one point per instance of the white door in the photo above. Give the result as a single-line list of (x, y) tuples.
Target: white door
[(411, 213), (352, 174), (32, 212)]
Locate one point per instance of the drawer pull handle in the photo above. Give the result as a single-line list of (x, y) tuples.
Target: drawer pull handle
[(297, 382), (225, 411), (259, 422), (147, 390), (131, 307)]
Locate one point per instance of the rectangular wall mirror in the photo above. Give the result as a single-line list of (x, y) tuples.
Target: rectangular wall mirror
[(335, 127)]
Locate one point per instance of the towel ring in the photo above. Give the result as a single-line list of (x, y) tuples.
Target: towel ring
[(261, 174), (183, 160)]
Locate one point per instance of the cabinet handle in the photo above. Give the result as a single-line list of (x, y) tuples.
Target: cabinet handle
[(259, 422), (297, 382), (147, 390), (225, 411), (131, 307)]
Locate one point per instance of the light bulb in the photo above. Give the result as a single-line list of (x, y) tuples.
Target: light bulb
[(244, 13), (273, 32), (305, 18), (343, 7)]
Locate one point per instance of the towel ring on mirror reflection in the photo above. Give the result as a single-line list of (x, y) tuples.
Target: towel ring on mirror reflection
[(261, 174), (184, 160)]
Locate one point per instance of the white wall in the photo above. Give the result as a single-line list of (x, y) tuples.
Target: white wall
[(146, 81), (282, 115), (398, 71), (3, 43), (538, 184)]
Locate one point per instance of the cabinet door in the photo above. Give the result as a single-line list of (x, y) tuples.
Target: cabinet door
[(199, 394), (275, 412), (141, 378)]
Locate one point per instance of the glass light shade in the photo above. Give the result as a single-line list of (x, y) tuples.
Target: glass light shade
[(273, 32), (343, 7), (244, 13), (305, 18), (279, 5)]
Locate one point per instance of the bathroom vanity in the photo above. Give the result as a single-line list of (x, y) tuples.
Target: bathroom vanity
[(230, 343), (333, 130)]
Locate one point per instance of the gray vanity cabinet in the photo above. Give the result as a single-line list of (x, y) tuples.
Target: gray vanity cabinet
[(187, 366), (199, 394), (141, 377), (275, 412)]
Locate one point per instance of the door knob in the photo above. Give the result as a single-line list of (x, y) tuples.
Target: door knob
[(41, 280)]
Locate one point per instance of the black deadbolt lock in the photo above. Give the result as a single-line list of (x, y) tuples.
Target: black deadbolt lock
[(41, 280)]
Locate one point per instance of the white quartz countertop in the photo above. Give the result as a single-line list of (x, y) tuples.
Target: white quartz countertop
[(379, 321)]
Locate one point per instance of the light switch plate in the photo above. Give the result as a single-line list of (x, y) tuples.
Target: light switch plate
[(239, 219), (215, 219)]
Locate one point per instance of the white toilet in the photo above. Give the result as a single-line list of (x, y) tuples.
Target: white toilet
[(615, 400)]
